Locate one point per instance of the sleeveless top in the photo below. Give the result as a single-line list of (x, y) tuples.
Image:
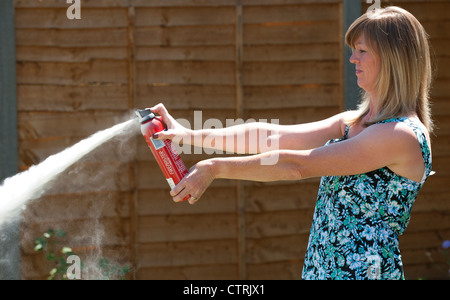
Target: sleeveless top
[(358, 219)]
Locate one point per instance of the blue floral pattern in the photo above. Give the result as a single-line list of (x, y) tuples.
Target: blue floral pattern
[(358, 219)]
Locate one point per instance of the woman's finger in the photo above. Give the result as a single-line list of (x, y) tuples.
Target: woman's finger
[(177, 189), (159, 109), (163, 135), (184, 195), (193, 200)]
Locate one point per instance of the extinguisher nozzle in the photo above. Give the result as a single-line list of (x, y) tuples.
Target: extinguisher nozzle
[(144, 115)]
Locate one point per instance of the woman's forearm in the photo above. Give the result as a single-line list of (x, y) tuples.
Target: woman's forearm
[(250, 138), (284, 165)]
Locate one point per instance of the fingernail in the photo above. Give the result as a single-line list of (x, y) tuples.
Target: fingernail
[(155, 135)]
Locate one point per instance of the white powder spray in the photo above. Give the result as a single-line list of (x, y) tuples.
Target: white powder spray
[(16, 191)]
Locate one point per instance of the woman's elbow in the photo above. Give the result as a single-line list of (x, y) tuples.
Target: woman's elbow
[(293, 164)]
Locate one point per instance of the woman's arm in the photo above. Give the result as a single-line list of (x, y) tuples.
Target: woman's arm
[(249, 168), (253, 138), (380, 145)]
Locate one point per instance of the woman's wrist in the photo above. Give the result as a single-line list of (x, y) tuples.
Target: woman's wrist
[(189, 136), (214, 167)]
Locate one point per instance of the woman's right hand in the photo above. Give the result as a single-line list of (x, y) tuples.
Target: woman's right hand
[(174, 129)]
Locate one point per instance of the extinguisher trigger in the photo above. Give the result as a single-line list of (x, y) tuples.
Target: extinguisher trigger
[(144, 115)]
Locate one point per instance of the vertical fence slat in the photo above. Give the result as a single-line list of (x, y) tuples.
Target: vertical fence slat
[(240, 186), (132, 102)]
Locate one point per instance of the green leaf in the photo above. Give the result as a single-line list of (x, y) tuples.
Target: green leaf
[(50, 256), (66, 250), (38, 247), (103, 262), (60, 233)]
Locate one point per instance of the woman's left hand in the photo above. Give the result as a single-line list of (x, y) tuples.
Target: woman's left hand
[(195, 183)]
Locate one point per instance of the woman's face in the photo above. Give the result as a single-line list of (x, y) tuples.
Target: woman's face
[(367, 66)]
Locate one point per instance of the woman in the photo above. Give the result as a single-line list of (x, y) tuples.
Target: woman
[(373, 161)]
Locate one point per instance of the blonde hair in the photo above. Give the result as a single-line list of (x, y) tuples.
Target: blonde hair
[(403, 85)]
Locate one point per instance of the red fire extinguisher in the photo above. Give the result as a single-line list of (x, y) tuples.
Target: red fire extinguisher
[(164, 151)]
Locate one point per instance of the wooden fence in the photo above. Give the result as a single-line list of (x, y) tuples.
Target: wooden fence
[(226, 59)]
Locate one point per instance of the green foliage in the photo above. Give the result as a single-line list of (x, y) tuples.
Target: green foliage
[(112, 270), (51, 242)]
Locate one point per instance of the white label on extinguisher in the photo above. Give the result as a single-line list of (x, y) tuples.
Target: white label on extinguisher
[(157, 143), (171, 183)]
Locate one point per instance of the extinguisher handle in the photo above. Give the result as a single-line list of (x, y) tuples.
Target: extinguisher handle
[(144, 115)]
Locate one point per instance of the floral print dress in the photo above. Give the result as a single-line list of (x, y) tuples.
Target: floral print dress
[(358, 219)]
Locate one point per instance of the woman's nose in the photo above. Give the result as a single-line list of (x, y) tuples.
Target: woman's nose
[(354, 59)]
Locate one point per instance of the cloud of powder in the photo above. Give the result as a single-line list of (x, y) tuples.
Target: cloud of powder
[(82, 168)]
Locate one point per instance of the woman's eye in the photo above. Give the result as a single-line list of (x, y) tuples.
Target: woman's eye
[(362, 51)]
